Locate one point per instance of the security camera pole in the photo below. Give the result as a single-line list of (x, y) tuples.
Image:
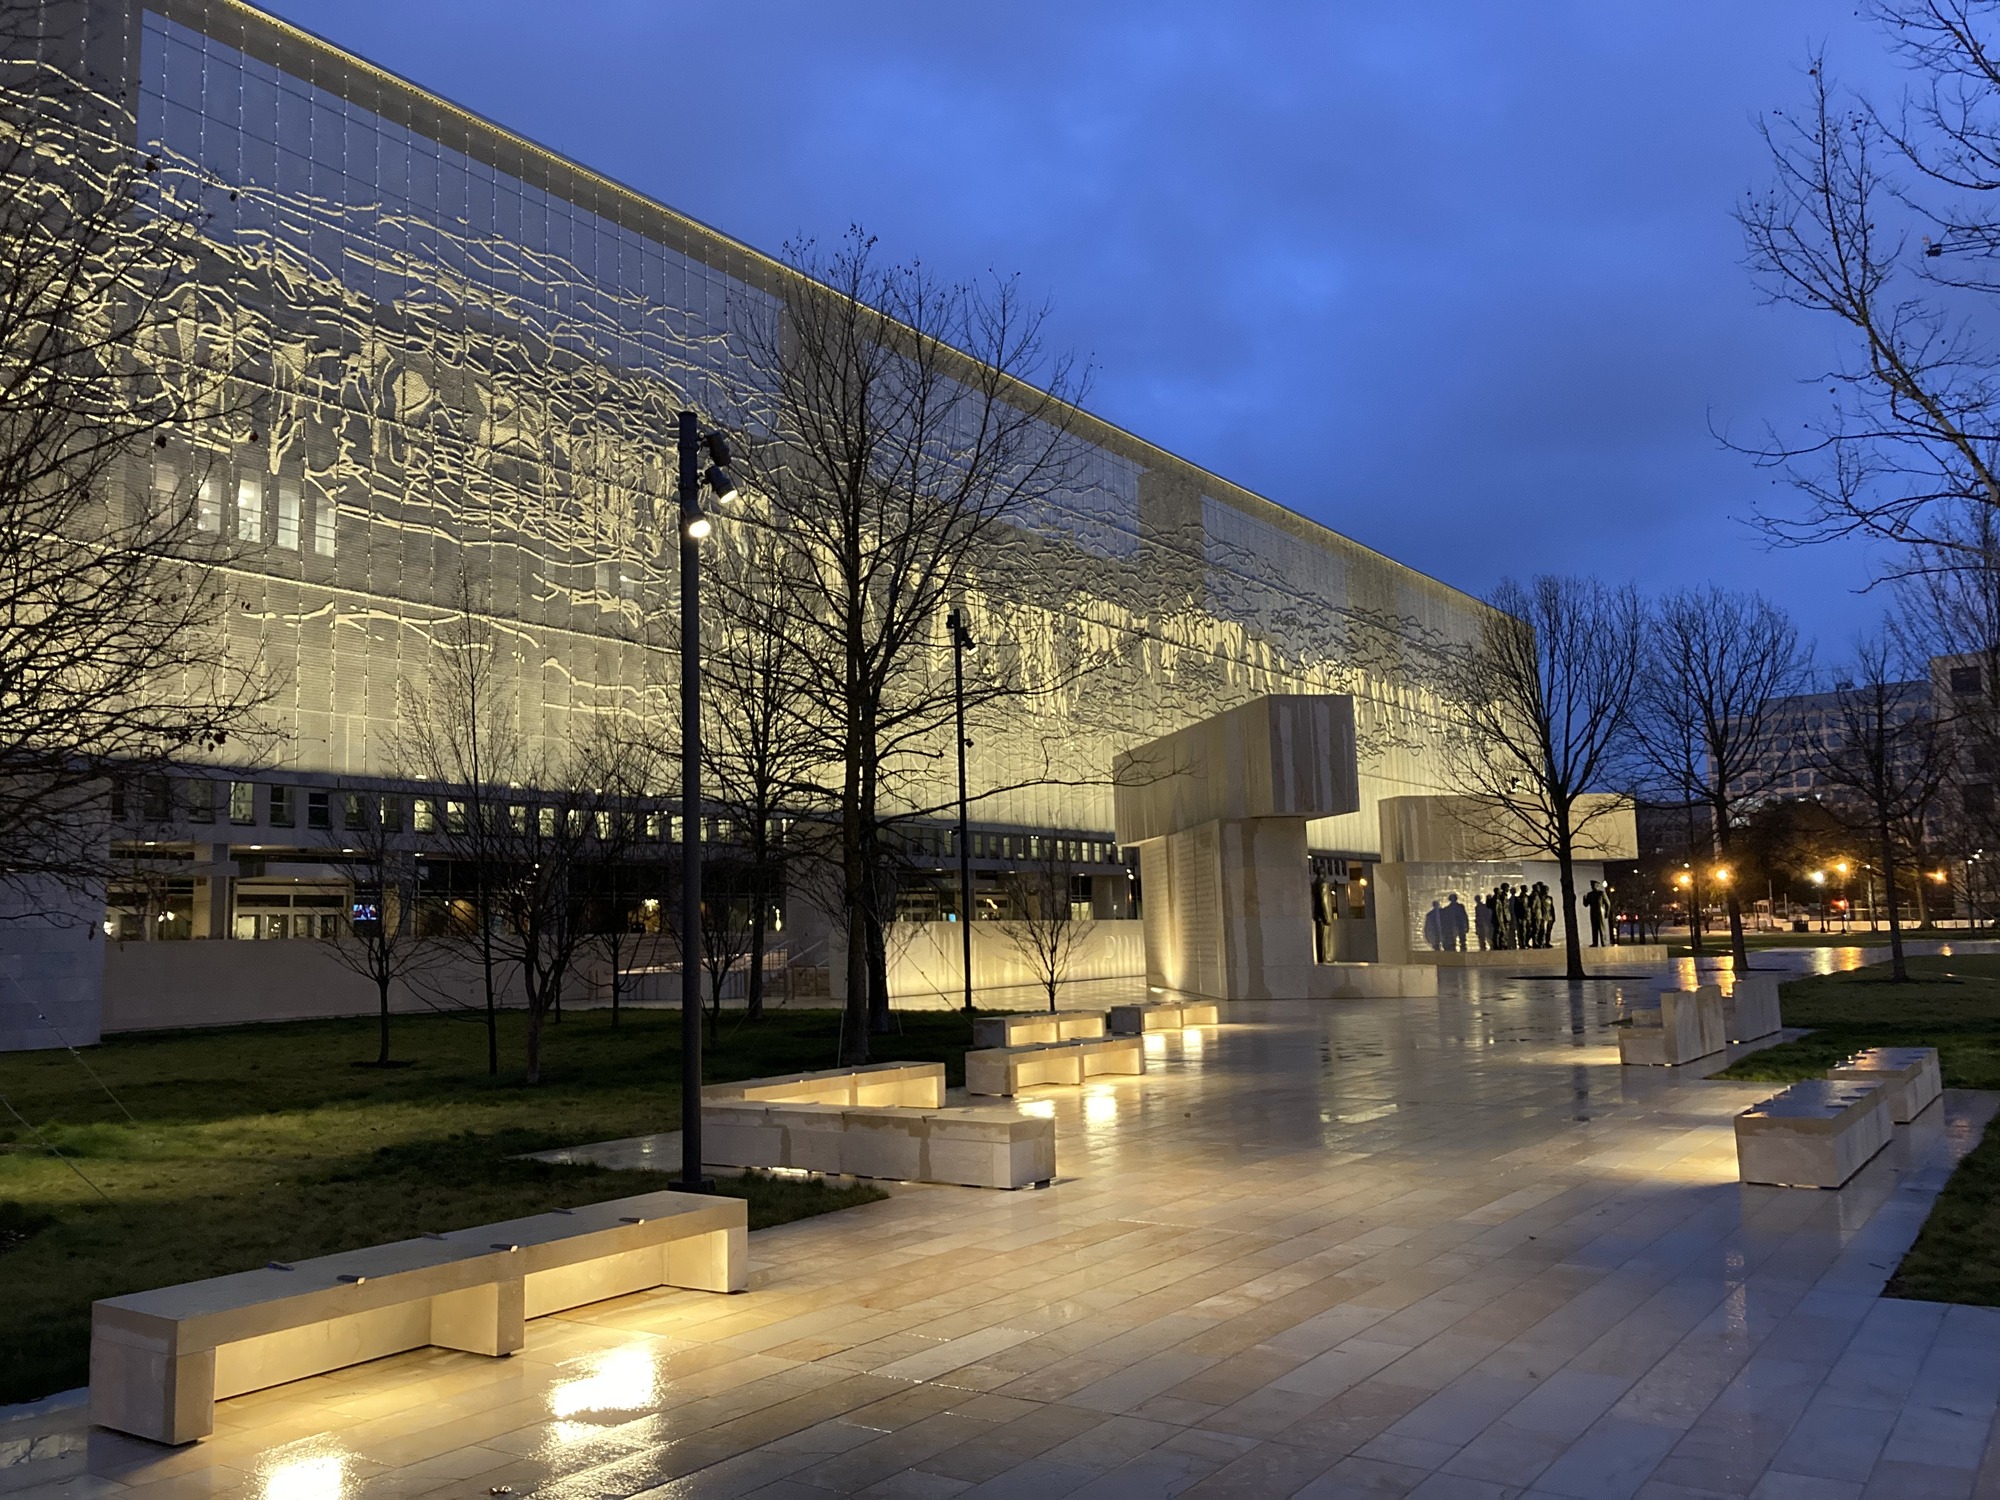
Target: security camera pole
[(693, 527)]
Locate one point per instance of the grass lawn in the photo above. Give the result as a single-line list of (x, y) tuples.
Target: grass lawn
[(268, 1143), (1952, 1004)]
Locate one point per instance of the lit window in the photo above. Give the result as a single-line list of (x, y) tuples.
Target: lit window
[(250, 509), (392, 814), (426, 818), (546, 822), (325, 519), (242, 801), (208, 506), (288, 515), (352, 815)]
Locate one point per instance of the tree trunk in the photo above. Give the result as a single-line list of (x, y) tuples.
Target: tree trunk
[(878, 975), (753, 983), (854, 1030), (534, 1033), (486, 970), (1898, 970), (382, 1053), (1572, 939)]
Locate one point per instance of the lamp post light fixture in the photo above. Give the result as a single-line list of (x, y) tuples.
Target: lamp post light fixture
[(1818, 878), (962, 642), (695, 525)]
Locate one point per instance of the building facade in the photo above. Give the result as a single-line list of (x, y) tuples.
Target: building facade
[(454, 359)]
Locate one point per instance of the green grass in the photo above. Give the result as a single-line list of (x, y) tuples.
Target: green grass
[(268, 1143), (1952, 1004)]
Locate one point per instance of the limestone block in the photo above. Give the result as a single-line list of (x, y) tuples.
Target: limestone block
[(1340, 981), (160, 1359), (1110, 1054), (1007, 1070), (903, 1085), (884, 1143), (1683, 1026), (812, 1137), (993, 1148), (1153, 1015), (1908, 1075), (1817, 1133), (1197, 1013), (1750, 1010), (917, 1085), (741, 1135), (1014, 1031)]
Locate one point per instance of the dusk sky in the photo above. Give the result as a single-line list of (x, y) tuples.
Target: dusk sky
[(1457, 279)]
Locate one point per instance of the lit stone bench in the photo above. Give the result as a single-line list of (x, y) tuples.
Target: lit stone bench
[(899, 1084), (160, 1360), (1036, 1026), (1161, 1015), (969, 1147), (1908, 1075), (1815, 1134), (1683, 1025), (1008, 1070), (1750, 1009)]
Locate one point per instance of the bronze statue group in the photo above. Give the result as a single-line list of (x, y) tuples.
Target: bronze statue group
[(1512, 916)]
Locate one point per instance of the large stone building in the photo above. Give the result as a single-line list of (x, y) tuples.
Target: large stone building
[(456, 358)]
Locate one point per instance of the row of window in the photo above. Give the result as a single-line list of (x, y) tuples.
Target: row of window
[(252, 509)]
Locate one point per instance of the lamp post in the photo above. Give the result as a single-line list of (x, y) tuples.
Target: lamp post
[(961, 642), (1818, 878), (694, 526)]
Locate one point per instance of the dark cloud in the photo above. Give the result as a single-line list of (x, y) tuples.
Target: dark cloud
[(1458, 279)]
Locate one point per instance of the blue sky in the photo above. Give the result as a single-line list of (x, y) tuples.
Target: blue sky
[(1454, 277)]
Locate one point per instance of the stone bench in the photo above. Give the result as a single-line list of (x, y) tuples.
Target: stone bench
[(907, 1085), (968, 1147), (1008, 1070), (1682, 1026), (1817, 1133), (1908, 1075), (1036, 1026), (1161, 1015), (1750, 1009), (160, 1360)]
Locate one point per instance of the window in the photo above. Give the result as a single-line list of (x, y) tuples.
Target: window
[(426, 819), (392, 814), (281, 807), (201, 800), (317, 812), (208, 506), (242, 801), (250, 509), (1965, 680), (326, 517), (454, 816), (352, 816), (517, 817), (546, 822), (656, 825), (288, 515), (156, 799)]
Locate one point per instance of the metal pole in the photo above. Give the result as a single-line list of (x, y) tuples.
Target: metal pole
[(691, 1180), (960, 639)]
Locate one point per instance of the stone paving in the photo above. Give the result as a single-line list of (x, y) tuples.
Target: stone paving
[(1365, 1248)]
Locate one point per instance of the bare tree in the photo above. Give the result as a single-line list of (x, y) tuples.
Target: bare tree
[(455, 735), (1048, 926), (377, 939), (729, 894), (1883, 219), (910, 421), (768, 738), (111, 653), (1545, 694), (1707, 719), (1885, 750)]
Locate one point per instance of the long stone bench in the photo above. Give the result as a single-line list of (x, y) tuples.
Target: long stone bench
[(1036, 1026), (1909, 1075), (160, 1360), (1681, 1026), (966, 1146), (1008, 1070), (1750, 1009), (907, 1085), (1817, 1133), (1161, 1015)]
